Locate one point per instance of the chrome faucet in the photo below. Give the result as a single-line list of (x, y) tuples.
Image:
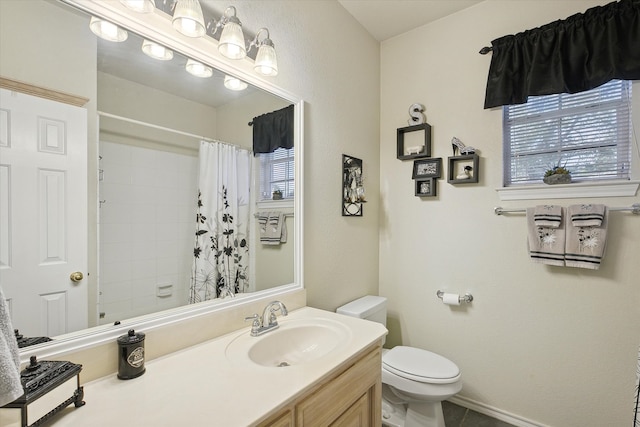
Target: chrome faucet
[(268, 320)]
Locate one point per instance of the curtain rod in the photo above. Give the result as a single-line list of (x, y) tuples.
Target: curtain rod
[(178, 132), (634, 209), (485, 50), (151, 125)]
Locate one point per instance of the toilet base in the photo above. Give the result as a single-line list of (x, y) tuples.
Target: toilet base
[(393, 415), (413, 414), (424, 414)]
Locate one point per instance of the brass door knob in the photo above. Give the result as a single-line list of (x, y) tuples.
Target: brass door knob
[(76, 276)]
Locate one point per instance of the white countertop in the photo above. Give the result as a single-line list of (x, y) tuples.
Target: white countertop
[(201, 386)]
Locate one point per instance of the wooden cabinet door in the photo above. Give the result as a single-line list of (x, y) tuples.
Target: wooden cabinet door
[(327, 404), (358, 415)]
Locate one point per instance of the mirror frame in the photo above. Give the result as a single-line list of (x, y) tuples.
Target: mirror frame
[(155, 26)]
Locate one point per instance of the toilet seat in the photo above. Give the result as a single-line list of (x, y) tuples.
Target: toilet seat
[(420, 365)]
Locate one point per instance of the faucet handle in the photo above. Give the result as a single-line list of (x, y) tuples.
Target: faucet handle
[(255, 318)]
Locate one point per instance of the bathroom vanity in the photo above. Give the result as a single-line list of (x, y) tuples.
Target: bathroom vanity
[(317, 368)]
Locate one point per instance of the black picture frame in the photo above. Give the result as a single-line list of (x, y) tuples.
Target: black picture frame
[(352, 186), (427, 168), (425, 150), (457, 165), (427, 187)]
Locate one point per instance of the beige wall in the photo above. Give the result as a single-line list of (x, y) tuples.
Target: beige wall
[(554, 345)]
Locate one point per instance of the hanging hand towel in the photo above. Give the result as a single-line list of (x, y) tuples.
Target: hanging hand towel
[(10, 386), (273, 229), (549, 216), (586, 215), (586, 245), (546, 245)]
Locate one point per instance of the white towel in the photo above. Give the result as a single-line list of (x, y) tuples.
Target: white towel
[(546, 245), (10, 385), (585, 246), (586, 215), (273, 228), (549, 216)]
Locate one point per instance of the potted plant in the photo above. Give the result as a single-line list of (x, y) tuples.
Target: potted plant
[(277, 194), (557, 175)]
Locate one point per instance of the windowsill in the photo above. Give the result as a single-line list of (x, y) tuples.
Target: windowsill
[(576, 190), (276, 204)]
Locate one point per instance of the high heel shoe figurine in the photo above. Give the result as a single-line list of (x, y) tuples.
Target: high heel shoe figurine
[(460, 147)]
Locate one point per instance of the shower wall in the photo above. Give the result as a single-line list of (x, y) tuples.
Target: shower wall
[(147, 211)]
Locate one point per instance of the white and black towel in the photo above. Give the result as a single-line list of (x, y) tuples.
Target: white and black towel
[(546, 244), (585, 246), (586, 215), (549, 216), (10, 385), (273, 228)]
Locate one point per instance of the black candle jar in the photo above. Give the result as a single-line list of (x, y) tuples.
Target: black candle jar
[(131, 355)]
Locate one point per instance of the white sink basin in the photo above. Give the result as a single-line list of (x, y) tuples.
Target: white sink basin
[(295, 342)]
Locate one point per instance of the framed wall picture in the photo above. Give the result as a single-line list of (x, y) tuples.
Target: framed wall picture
[(426, 187), (427, 168), (352, 187)]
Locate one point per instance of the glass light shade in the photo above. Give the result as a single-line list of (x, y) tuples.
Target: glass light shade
[(198, 69), (188, 18), (266, 62), (142, 6), (156, 51), (106, 30), (233, 83), (231, 43)]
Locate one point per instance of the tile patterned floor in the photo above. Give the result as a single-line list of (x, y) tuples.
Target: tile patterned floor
[(457, 416)]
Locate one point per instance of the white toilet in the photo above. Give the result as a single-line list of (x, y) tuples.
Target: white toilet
[(414, 381)]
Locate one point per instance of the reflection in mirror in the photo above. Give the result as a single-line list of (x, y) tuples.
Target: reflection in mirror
[(154, 117)]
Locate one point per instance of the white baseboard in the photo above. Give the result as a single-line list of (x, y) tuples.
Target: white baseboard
[(496, 413)]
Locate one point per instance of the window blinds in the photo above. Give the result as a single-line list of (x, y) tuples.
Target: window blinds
[(589, 133)]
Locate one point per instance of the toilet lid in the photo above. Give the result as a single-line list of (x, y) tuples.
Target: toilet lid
[(420, 365)]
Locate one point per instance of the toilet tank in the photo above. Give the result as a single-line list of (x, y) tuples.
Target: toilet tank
[(369, 307)]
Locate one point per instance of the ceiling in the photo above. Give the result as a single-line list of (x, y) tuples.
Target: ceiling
[(384, 19)]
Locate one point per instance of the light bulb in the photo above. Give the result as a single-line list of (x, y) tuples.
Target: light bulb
[(107, 30), (233, 83)]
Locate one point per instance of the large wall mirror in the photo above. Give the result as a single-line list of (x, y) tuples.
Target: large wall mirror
[(146, 120)]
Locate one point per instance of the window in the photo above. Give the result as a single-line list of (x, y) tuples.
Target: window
[(589, 133), (277, 170)]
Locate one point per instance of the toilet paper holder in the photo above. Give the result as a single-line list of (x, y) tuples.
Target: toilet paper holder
[(467, 298)]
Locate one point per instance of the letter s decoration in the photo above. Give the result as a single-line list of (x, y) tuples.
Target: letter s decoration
[(416, 111)]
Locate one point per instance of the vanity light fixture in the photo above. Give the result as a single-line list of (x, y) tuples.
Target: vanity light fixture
[(266, 62), (231, 43), (188, 18), (107, 30), (198, 69), (156, 51), (142, 6), (233, 83)]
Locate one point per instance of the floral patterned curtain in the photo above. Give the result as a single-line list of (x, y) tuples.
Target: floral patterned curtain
[(221, 252)]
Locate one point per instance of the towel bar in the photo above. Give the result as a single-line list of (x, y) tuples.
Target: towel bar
[(634, 209), (462, 298)]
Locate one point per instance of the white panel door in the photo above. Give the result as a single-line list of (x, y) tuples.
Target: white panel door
[(43, 213)]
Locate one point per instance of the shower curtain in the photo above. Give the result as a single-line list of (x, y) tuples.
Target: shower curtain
[(221, 252)]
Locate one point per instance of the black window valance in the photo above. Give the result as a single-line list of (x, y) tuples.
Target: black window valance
[(273, 130), (579, 53)]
